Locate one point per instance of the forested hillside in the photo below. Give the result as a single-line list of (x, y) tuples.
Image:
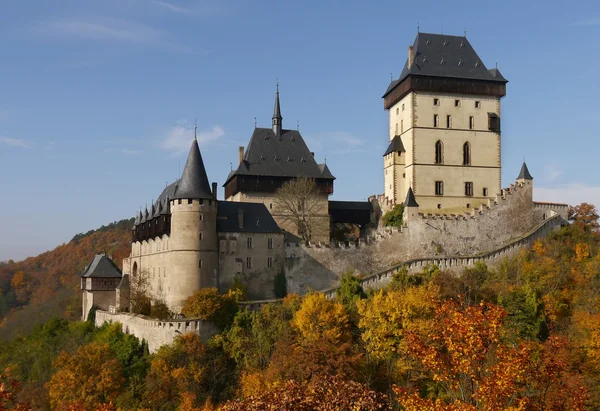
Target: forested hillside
[(522, 336), (41, 287)]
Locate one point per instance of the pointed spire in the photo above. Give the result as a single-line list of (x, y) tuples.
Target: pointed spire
[(410, 201), (194, 182), (524, 174), (166, 208), (277, 119), (195, 128)]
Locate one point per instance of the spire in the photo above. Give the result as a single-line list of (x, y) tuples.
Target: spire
[(277, 114), (410, 201), (524, 174), (194, 182)]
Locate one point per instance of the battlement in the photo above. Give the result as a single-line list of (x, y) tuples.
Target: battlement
[(156, 332), (208, 206)]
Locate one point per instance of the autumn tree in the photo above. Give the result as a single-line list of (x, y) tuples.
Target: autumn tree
[(585, 215), (208, 304), (140, 294), (90, 377), (300, 203), (9, 388)]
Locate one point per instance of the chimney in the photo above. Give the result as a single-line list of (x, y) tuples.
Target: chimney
[(241, 217), (241, 151), (214, 190), (411, 56)]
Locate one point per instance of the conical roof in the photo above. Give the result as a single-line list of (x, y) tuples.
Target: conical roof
[(157, 209), (144, 217), (410, 201), (194, 182), (138, 218), (277, 109), (524, 174), (166, 208)]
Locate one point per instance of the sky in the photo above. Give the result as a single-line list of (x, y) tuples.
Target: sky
[(98, 98)]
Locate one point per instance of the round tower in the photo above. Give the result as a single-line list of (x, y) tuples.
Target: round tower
[(193, 261)]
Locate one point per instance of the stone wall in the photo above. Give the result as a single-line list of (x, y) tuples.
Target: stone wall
[(157, 332)]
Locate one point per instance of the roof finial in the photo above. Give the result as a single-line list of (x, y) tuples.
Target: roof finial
[(391, 76), (465, 32), (195, 128), (325, 159), (277, 85), (418, 27), (254, 122), (496, 64), (298, 125)]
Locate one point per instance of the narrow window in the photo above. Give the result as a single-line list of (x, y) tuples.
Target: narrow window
[(435, 120), (456, 103), (397, 111), (401, 126), (270, 243), (270, 206), (485, 191), (493, 122), (209, 202), (477, 104), (471, 123), (200, 263), (269, 262), (249, 242), (201, 217), (201, 236), (468, 205), (402, 107), (439, 188), (466, 154), (396, 128), (436, 101), (248, 262), (469, 189), (439, 152), (448, 121)]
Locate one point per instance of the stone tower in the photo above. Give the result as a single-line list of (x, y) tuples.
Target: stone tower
[(193, 244), (444, 127)]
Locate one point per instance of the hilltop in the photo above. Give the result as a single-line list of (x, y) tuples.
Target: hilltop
[(45, 286)]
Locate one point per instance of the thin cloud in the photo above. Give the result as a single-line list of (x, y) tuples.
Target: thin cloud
[(552, 172), (172, 7), (112, 30), (339, 142), (591, 22), (179, 138), (573, 194), (15, 142)]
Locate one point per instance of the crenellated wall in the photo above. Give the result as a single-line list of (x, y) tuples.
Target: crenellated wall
[(156, 332)]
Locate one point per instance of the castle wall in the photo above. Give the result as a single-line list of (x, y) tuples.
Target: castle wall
[(101, 299), (259, 277), (156, 332)]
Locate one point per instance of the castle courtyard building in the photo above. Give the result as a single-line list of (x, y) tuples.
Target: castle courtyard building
[(444, 127)]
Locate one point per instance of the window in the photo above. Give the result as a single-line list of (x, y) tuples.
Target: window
[(201, 217), (493, 122), (456, 103), (477, 104), (466, 154), (439, 188), (397, 111), (179, 201), (485, 191), (189, 201), (249, 242), (436, 101), (402, 126), (269, 262), (435, 120), (468, 205), (448, 121), (469, 189), (200, 263), (471, 123), (439, 206), (201, 236), (396, 128), (439, 152), (270, 243), (270, 206), (402, 107), (248, 262), (201, 202)]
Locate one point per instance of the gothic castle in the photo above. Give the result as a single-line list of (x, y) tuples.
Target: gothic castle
[(443, 163)]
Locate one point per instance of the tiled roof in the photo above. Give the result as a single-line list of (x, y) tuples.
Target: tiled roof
[(255, 218), (101, 267)]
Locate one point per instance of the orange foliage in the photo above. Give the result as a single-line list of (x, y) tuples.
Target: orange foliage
[(9, 388)]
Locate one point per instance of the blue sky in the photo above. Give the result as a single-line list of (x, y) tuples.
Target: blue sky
[(98, 98)]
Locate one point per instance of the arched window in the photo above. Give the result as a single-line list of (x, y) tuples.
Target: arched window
[(439, 152), (135, 270), (466, 154)]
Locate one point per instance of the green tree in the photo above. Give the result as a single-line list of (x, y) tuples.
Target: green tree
[(393, 218)]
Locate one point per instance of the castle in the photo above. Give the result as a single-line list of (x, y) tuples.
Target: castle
[(442, 163)]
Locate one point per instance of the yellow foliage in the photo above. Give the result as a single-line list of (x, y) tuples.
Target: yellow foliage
[(203, 304), (385, 317), (582, 252), (538, 248), (319, 318), (18, 280), (252, 383)]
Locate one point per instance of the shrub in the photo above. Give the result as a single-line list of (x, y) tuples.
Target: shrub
[(207, 304), (393, 218)]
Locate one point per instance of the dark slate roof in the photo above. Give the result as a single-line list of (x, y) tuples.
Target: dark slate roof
[(441, 55), (350, 205), (524, 174), (277, 109), (145, 216), (325, 173), (138, 218), (256, 218), (101, 267), (166, 207), (395, 145), (194, 182), (410, 201), (286, 156)]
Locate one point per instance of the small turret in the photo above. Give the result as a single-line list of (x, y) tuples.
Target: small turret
[(194, 182), (411, 207), (277, 119), (524, 174)]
